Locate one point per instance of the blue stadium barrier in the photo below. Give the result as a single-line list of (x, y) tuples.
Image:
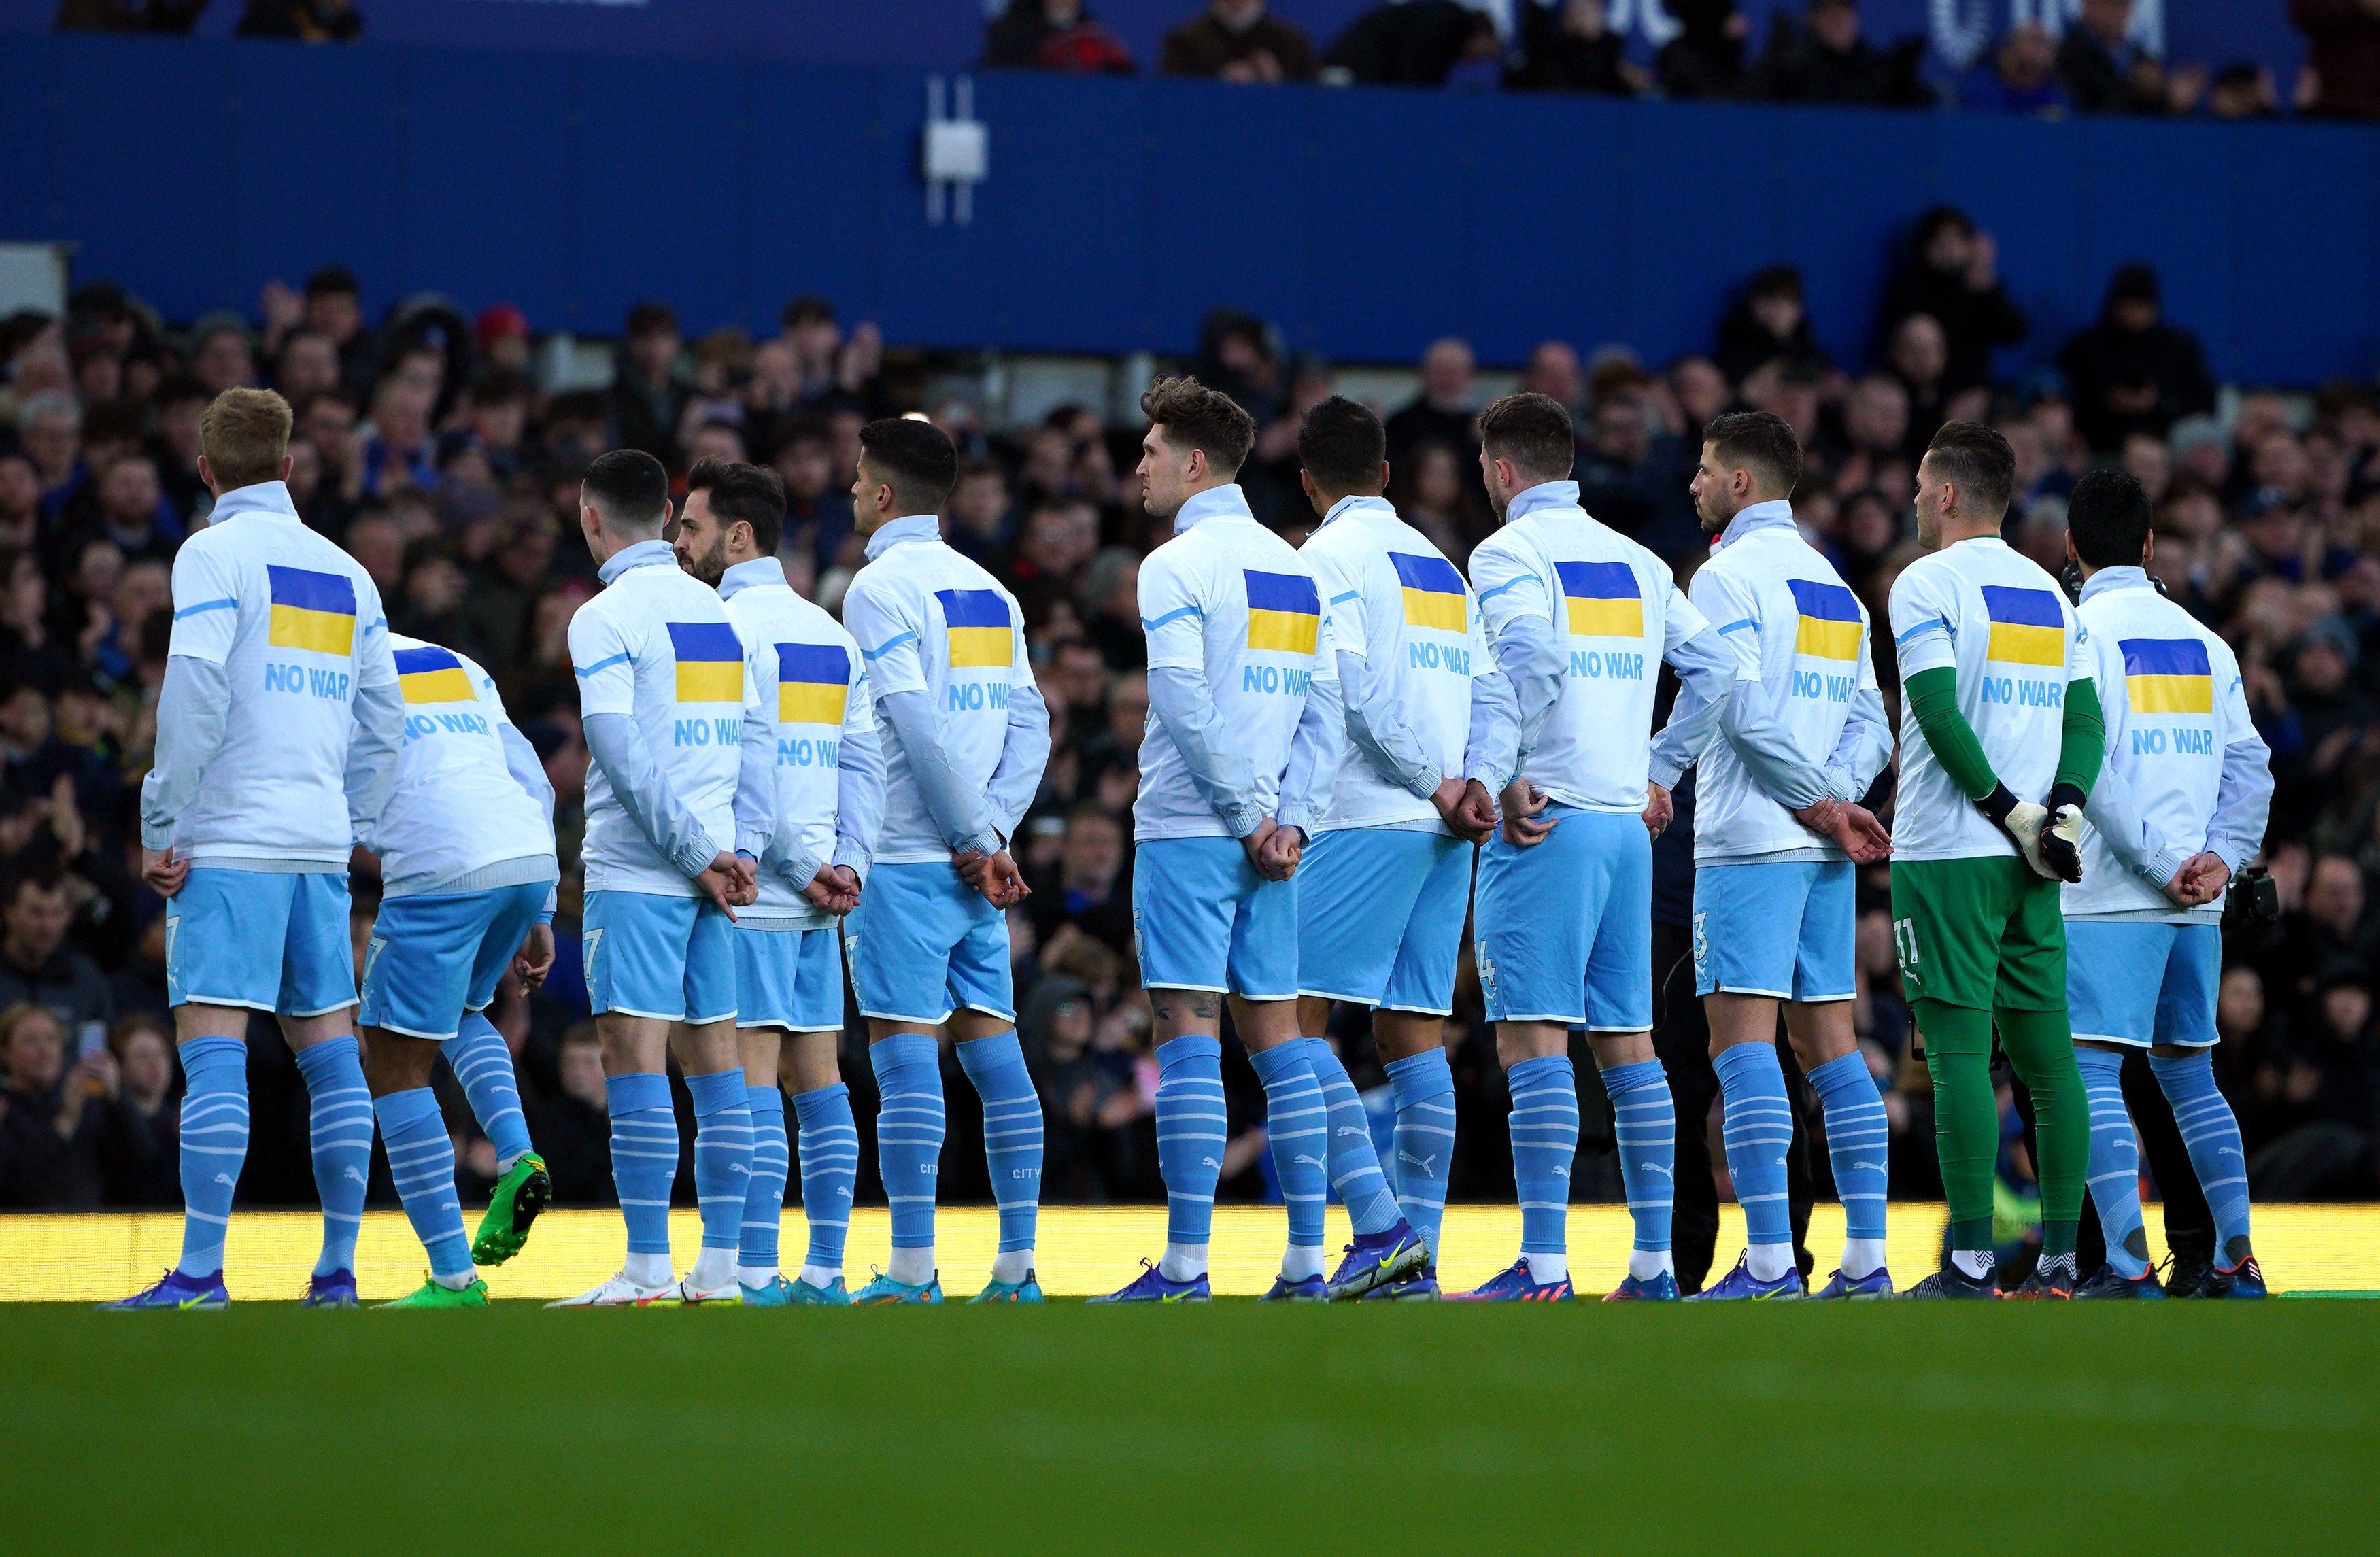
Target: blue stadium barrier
[(1364, 222)]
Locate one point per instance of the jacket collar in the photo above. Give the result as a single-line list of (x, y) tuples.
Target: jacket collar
[(759, 573), (909, 527), (264, 500), (2112, 579), (644, 554), (1544, 494), (1225, 502), (1757, 515), (1358, 504)]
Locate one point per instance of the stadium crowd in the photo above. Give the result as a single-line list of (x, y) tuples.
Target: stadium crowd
[(426, 447)]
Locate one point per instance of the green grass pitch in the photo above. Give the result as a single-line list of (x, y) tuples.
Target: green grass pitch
[(1230, 1429)]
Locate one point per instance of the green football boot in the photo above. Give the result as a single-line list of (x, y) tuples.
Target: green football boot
[(431, 1295), (524, 1191)]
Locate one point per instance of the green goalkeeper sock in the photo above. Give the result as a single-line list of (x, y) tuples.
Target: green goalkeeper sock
[(1966, 1116), (2040, 1051)]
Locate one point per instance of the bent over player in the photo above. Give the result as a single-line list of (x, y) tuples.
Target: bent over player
[(2179, 807), (277, 729), (1997, 703), (468, 874)]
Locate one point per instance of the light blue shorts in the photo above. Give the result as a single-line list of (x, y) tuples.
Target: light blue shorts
[(923, 944), (1565, 927), (665, 956), (1784, 928), (1205, 918), (790, 979), (1380, 917), (433, 958), (2139, 982), (267, 939)]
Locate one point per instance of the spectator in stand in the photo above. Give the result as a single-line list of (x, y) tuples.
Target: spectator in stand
[(1768, 323), (143, 1047), (2243, 89), (1553, 371), (60, 1128), (1952, 273), (222, 357), (1705, 59), (2020, 78), (1432, 490), (2342, 54), (2103, 71), (2131, 372), (501, 335), (2328, 1088), (1237, 41), (1410, 43), (308, 365), (1568, 46), (649, 387), (1052, 35), (37, 966), (1442, 412), (1089, 888), (1918, 355), (49, 427), (573, 1129), (1827, 59)]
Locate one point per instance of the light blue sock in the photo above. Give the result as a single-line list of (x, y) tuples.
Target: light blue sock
[(480, 1062), (764, 1192), (2115, 1167), (1758, 1132), (1424, 1087), (422, 1160), (1645, 1128), (1354, 1165), (723, 1154), (829, 1171), (909, 1127), (341, 1113), (215, 1144), (644, 1156), (1859, 1141), (1545, 1139), (1190, 1126), (2212, 1134), (1297, 1130), (1012, 1132)]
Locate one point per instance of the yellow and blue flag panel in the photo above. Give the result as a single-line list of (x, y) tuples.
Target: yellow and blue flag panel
[(310, 610), (710, 661), (1433, 592), (1603, 598), (812, 680), (1831, 620), (1284, 610), (980, 633), (432, 674), (2027, 627), (2167, 676)]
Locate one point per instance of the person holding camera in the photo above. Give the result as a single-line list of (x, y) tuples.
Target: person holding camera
[(2179, 807)]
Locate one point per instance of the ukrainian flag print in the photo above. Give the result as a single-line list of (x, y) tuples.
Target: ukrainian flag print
[(1603, 598), (2167, 676), (2027, 627), (710, 661), (980, 633), (1831, 620), (312, 611), (1433, 592), (1284, 610), (432, 674), (812, 679)]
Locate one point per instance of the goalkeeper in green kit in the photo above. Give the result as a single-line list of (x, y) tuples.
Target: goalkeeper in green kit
[(2000, 739)]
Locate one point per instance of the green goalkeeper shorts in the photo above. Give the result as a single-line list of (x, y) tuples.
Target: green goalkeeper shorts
[(1983, 933)]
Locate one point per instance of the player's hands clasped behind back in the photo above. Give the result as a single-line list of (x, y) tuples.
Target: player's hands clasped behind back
[(1522, 827), (835, 888), (1658, 809), (1472, 813), (163, 871), (2201, 879), (1275, 850), (535, 959), (1853, 828), (731, 881), (995, 875)]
